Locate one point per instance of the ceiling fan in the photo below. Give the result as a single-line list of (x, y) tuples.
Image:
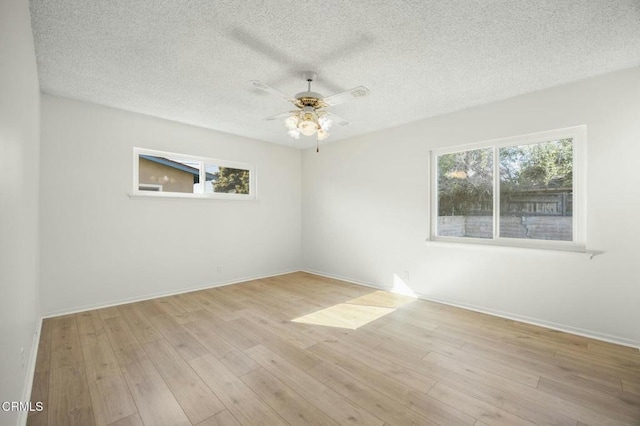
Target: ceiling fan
[(312, 116)]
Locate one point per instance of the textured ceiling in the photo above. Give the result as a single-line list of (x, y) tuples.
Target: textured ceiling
[(191, 60)]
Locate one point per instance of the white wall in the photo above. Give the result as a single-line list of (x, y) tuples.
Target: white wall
[(19, 158), (98, 246), (365, 213)]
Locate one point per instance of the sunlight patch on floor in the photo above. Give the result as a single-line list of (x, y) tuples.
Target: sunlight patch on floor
[(357, 312), (345, 315), (383, 299)]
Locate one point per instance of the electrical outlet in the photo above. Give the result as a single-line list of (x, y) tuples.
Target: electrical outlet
[(219, 269), (405, 277), (22, 357)]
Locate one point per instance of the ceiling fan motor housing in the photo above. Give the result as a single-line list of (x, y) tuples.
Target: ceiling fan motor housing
[(312, 99)]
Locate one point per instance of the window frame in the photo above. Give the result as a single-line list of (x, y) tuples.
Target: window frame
[(136, 192), (578, 134)]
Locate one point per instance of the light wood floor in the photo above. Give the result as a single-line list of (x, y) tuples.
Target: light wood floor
[(232, 355)]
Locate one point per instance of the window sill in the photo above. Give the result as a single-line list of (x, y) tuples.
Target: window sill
[(541, 246), (186, 196)]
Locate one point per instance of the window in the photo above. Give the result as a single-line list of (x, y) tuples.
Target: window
[(165, 174), (525, 191)]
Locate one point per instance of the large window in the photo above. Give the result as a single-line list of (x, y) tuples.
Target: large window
[(524, 191), (165, 174)]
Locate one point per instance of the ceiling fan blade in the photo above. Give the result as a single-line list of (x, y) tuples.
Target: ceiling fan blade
[(265, 87), (339, 98), (337, 119), (281, 115)]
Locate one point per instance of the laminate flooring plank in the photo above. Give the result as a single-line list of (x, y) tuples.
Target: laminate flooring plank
[(195, 398), (209, 302), (614, 366), (484, 338), (69, 401), (379, 378), (174, 310), (65, 343), (110, 396), (39, 393), (156, 404), (520, 375), (621, 408), (499, 395), (630, 386), (89, 327), (555, 337), (365, 396), (519, 338), (64, 333), (148, 308), (398, 318), (547, 368), (280, 325), (124, 344), (168, 307), (443, 367), (223, 418), (503, 398), (222, 328), (400, 353), (186, 301), (110, 312), (132, 420), (409, 377), (139, 324), (303, 359), (282, 346), (226, 297), (475, 407), (326, 399), (413, 399), (180, 339), (67, 357), (287, 403), (243, 403), (392, 336), (211, 341), (418, 334), (239, 363)]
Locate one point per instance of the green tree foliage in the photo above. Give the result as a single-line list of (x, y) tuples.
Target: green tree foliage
[(465, 179), (541, 165), (231, 180)]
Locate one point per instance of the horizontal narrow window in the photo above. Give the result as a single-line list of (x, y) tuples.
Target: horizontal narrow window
[(158, 173), (522, 191)]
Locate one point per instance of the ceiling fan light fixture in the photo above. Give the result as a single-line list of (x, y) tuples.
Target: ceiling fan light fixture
[(291, 122), (307, 127), (294, 133), (311, 118), (322, 134), (325, 123)]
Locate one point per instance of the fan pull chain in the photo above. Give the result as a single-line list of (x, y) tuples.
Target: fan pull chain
[(317, 143)]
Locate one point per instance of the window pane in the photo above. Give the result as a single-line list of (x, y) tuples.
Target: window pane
[(536, 191), (226, 180), (465, 194), (167, 174)]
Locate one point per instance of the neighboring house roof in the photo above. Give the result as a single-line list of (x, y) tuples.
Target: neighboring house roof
[(176, 165)]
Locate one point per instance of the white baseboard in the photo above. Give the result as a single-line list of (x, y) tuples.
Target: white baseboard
[(159, 294), (31, 370), (508, 315)]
